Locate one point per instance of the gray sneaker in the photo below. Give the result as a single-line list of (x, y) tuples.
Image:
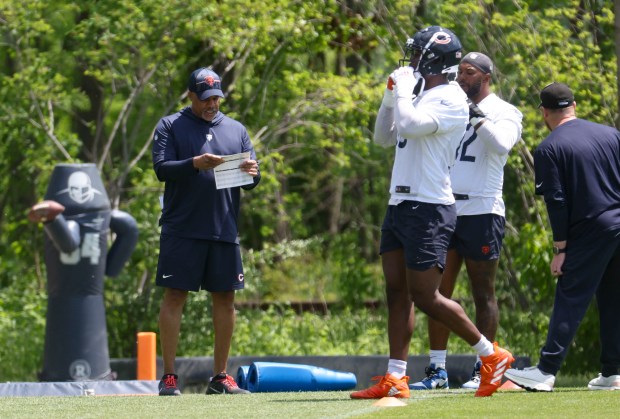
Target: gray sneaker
[(531, 379), (224, 384), (605, 383)]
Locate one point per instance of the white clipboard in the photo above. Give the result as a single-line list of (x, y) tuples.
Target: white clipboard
[(229, 175)]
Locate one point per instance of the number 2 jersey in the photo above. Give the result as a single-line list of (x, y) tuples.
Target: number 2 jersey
[(478, 170)]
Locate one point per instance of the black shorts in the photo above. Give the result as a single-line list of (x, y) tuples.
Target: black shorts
[(192, 265), (423, 230), (478, 237)]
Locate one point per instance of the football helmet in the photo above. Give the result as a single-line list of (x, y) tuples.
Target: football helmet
[(438, 49)]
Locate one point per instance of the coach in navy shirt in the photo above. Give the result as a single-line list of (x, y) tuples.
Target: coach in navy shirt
[(578, 172), (199, 244)]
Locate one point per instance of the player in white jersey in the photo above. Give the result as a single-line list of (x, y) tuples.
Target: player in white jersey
[(477, 179), (423, 117), (424, 150)]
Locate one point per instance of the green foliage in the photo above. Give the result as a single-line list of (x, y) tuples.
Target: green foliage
[(22, 328), (355, 281), (282, 332), (280, 272)]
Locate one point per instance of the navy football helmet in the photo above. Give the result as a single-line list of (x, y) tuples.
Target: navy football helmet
[(438, 49)]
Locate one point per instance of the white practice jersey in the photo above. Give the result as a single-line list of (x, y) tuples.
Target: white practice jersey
[(421, 170), (478, 169)]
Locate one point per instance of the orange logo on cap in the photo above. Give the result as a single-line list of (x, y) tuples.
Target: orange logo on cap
[(210, 80)]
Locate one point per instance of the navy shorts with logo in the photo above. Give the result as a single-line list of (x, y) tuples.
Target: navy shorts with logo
[(423, 230), (478, 237), (194, 264)]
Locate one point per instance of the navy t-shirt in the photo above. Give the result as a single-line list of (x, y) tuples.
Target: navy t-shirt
[(578, 172), (192, 206)]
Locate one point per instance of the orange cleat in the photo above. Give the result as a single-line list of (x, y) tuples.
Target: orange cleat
[(388, 386), (492, 370)]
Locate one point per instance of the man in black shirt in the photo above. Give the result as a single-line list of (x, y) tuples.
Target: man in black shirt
[(578, 172), (199, 244)]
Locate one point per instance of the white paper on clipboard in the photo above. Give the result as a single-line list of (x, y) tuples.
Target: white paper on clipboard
[(228, 174)]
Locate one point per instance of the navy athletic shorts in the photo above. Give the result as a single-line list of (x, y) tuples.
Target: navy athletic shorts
[(478, 237), (193, 264), (423, 230)]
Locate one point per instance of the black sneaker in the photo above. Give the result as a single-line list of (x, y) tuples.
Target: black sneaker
[(224, 384), (168, 385)]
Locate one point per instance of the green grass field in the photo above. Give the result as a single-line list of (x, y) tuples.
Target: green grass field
[(562, 403)]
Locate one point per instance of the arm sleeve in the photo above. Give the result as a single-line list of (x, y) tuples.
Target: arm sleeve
[(501, 135), (247, 146), (548, 185), (165, 162), (385, 132), (558, 217), (174, 170), (411, 122)]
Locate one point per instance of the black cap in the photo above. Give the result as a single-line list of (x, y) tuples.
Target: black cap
[(480, 61), (556, 96), (205, 83)]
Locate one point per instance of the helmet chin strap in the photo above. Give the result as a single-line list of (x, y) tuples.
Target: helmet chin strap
[(416, 70), (452, 69), (419, 87)]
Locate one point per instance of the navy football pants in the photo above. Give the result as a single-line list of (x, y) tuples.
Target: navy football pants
[(591, 268)]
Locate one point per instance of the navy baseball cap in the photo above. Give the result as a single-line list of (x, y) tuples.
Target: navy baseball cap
[(480, 61), (556, 96), (205, 83)]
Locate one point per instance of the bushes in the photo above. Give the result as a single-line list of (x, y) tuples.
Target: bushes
[(324, 269), (328, 271), (22, 331)]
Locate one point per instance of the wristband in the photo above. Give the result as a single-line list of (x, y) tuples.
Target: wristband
[(388, 99), (557, 250)]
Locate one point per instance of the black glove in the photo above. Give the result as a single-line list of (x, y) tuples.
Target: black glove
[(475, 114)]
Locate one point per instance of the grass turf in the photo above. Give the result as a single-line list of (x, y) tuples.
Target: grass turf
[(562, 403)]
